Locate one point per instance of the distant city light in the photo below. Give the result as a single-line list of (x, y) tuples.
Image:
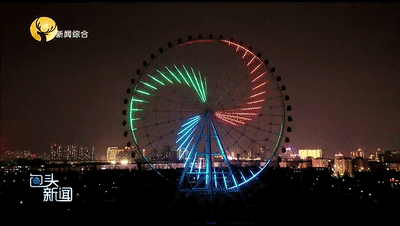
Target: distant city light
[(314, 153)]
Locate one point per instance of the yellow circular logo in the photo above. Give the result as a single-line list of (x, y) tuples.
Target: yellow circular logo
[(43, 29)]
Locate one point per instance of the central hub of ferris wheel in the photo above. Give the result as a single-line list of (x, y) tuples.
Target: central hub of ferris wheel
[(208, 111)]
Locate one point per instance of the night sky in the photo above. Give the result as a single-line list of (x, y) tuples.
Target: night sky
[(339, 61)]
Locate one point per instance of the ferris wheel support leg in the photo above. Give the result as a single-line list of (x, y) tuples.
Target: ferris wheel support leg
[(221, 147), (209, 163), (190, 161)]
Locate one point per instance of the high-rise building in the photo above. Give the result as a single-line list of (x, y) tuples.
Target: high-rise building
[(342, 165), (377, 153), (55, 152), (358, 153), (313, 153), (71, 152)]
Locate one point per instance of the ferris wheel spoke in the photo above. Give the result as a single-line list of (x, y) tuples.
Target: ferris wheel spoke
[(242, 134), (233, 138), (273, 98), (161, 123), (233, 99), (179, 103), (266, 140), (270, 115), (223, 92), (158, 139), (231, 95), (276, 106), (230, 143), (258, 128), (217, 98), (215, 88), (174, 111), (227, 106)]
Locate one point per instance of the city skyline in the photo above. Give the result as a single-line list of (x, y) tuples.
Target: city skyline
[(97, 155), (340, 63)]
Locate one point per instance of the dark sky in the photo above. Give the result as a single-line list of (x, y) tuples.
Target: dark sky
[(339, 61)]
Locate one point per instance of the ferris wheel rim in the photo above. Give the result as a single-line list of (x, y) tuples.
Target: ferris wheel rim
[(191, 41)]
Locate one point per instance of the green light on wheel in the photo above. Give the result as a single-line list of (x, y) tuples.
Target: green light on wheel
[(202, 87), (182, 75), (201, 94), (137, 109), (143, 92), (156, 80), (173, 74), (164, 76), (139, 100), (148, 85), (191, 80)]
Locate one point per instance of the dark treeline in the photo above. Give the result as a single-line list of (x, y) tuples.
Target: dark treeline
[(149, 196)]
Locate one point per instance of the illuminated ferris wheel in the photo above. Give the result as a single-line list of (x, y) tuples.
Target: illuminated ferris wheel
[(211, 107)]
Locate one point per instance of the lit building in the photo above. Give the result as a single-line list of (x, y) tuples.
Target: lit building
[(313, 153), (264, 154), (342, 166), (120, 155), (249, 155), (377, 153), (320, 163), (357, 154), (166, 154), (304, 164), (360, 164), (289, 164), (112, 154), (71, 153), (183, 154), (290, 153), (388, 156), (371, 158), (394, 166), (14, 155)]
